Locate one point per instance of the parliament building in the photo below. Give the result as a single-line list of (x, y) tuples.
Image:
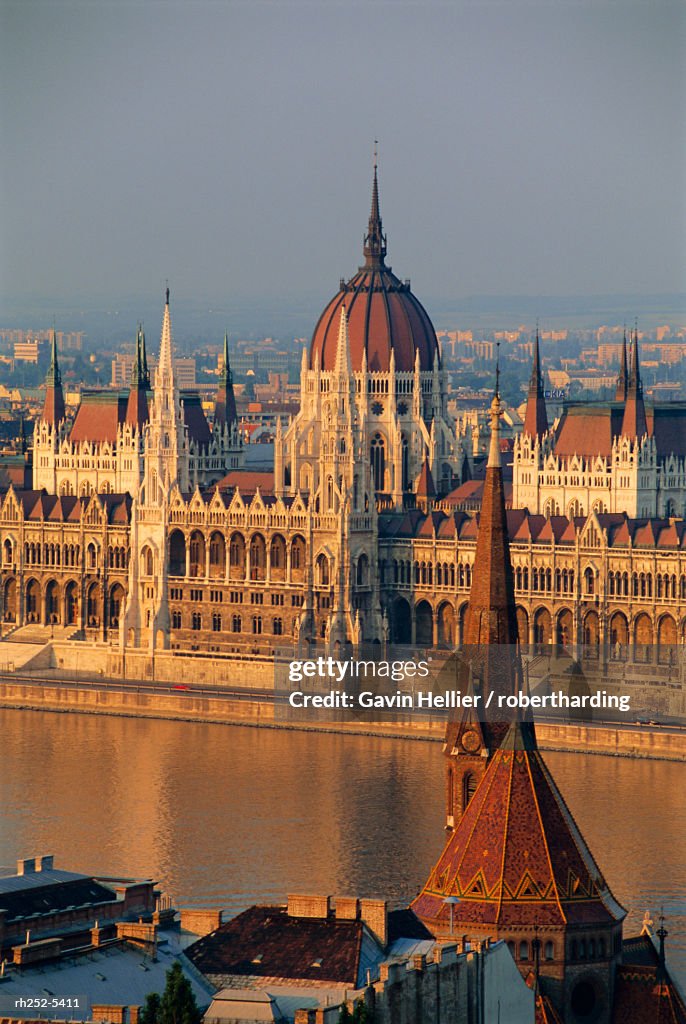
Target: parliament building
[(144, 527)]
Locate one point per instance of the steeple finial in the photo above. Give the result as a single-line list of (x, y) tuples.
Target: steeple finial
[(53, 409), (536, 418), (623, 378), (496, 412), (375, 240), (634, 423), (226, 376), (225, 402), (167, 294), (54, 377)]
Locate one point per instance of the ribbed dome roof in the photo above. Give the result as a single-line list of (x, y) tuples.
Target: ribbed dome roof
[(383, 314)]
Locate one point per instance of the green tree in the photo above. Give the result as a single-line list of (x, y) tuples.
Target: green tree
[(150, 1010), (177, 1004)]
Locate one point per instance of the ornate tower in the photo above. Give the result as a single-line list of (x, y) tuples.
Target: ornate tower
[(489, 660), (167, 443), (50, 428), (634, 424)]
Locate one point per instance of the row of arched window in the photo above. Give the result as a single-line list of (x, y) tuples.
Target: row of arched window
[(216, 623)]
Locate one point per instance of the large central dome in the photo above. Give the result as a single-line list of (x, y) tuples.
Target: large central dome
[(383, 314)]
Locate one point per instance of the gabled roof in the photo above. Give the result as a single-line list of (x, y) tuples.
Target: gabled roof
[(516, 858)]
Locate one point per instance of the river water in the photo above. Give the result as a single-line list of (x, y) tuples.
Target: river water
[(231, 815)]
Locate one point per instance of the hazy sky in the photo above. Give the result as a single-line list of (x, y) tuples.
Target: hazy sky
[(535, 148)]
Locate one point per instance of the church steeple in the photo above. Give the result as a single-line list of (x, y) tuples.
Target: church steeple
[(536, 419), (375, 240), (491, 617), (489, 660), (623, 378), (53, 408), (225, 402), (634, 423)]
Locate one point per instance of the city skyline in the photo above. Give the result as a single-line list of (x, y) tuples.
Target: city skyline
[(228, 147)]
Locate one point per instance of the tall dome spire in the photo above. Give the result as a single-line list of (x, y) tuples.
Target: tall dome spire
[(375, 240), (383, 314)]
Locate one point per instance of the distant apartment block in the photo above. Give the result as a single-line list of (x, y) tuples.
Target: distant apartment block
[(122, 366), (66, 340), (30, 351)]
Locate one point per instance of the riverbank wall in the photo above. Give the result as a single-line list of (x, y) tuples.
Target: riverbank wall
[(64, 677)]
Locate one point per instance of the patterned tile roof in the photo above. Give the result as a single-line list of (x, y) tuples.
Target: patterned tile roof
[(517, 858)]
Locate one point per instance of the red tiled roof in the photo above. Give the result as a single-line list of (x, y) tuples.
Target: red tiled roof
[(247, 481), (383, 316), (516, 857), (588, 429), (98, 416)]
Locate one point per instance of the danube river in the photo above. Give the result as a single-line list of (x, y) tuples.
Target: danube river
[(230, 815)]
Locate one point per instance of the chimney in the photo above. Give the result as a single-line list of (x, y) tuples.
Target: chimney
[(308, 906), (374, 913), (347, 908), (27, 866), (45, 863)]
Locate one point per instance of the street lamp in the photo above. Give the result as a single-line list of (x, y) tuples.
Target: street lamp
[(451, 901)]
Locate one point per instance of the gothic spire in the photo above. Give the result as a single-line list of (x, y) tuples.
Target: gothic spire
[(634, 423), (536, 419), (225, 402), (137, 405), (343, 366), (53, 409), (623, 378), (375, 240), (491, 617), (164, 375)]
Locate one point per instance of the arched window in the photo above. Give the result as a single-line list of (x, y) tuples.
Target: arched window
[(378, 461), (523, 950), (405, 464), (549, 952), (322, 570), (91, 554), (468, 789)]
